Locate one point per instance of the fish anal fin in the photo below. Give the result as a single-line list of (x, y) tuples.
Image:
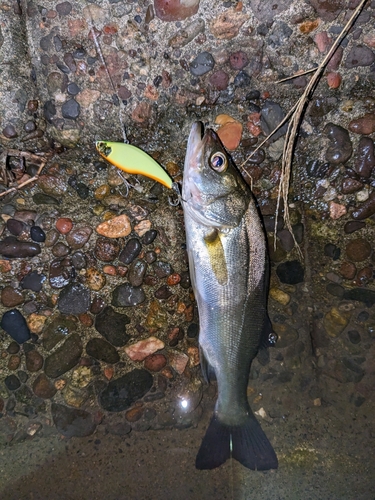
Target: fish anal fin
[(207, 371)]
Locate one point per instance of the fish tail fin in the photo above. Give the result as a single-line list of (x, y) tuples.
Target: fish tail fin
[(247, 443)]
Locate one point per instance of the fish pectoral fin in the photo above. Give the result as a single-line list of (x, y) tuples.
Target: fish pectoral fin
[(208, 372), (216, 255)]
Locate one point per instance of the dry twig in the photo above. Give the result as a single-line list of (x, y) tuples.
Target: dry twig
[(33, 158)]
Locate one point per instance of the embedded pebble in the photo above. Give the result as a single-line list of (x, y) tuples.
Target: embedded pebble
[(70, 109), (37, 234), (11, 297), (121, 393), (112, 325), (15, 227), (142, 227), (333, 251), (364, 125), (364, 295), (78, 236), (219, 80), (350, 185), (286, 240), (358, 250), (163, 292), (34, 361), (202, 64), (52, 185), (43, 387), (280, 296), (290, 272), (15, 325), (271, 115), (334, 80), (175, 10), (118, 227), (12, 383), (106, 249), (57, 330), (149, 236), (51, 237), (336, 210), (102, 350), (127, 295), (60, 249), (367, 209), (64, 358), (187, 34), (64, 225), (162, 269), (238, 60), (365, 159), (340, 149), (352, 226), (95, 280), (33, 281), (359, 56), (14, 362), (136, 273), (178, 361), (130, 251), (60, 274), (74, 299), (242, 79), (140, 350), (354, 336), (335, 289), (72, 422), (155, 362), (230, 135), (14, 249), (9, 131), (227, 24)]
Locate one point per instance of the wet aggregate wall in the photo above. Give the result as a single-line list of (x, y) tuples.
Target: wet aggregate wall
[(90, 289)]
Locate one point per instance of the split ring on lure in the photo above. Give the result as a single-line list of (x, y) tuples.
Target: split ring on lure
[(133, 160)]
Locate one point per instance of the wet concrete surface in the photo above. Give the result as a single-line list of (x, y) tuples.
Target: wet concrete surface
[(324, 453)]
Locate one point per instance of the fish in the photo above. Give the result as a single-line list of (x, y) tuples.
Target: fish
[(228, 264), (133, 160)]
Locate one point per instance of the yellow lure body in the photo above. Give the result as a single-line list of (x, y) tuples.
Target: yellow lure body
[(133, 160)]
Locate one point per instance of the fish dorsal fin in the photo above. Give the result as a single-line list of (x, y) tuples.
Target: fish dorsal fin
[(216, 255)]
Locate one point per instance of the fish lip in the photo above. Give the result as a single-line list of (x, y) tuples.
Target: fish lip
[(196, 135)]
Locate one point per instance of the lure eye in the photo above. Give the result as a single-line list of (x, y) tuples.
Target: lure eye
[(219, 161)]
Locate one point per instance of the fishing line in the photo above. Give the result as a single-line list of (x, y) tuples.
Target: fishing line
[(95, 38), (231, 467)]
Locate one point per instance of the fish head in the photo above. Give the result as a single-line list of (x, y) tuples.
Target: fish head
[(213, 190)]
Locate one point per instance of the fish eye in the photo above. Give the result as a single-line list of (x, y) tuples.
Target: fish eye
[(219, 161)]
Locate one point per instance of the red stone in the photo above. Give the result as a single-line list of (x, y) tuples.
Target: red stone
[(64, 225), (155, 362), (334, 80), (175, 10)]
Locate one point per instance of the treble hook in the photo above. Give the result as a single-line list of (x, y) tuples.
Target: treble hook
[(174, 202)]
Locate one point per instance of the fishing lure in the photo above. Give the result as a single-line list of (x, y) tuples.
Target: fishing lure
[(133, 160)]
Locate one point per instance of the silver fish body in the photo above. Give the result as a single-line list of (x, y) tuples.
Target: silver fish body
[(229, 271)]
